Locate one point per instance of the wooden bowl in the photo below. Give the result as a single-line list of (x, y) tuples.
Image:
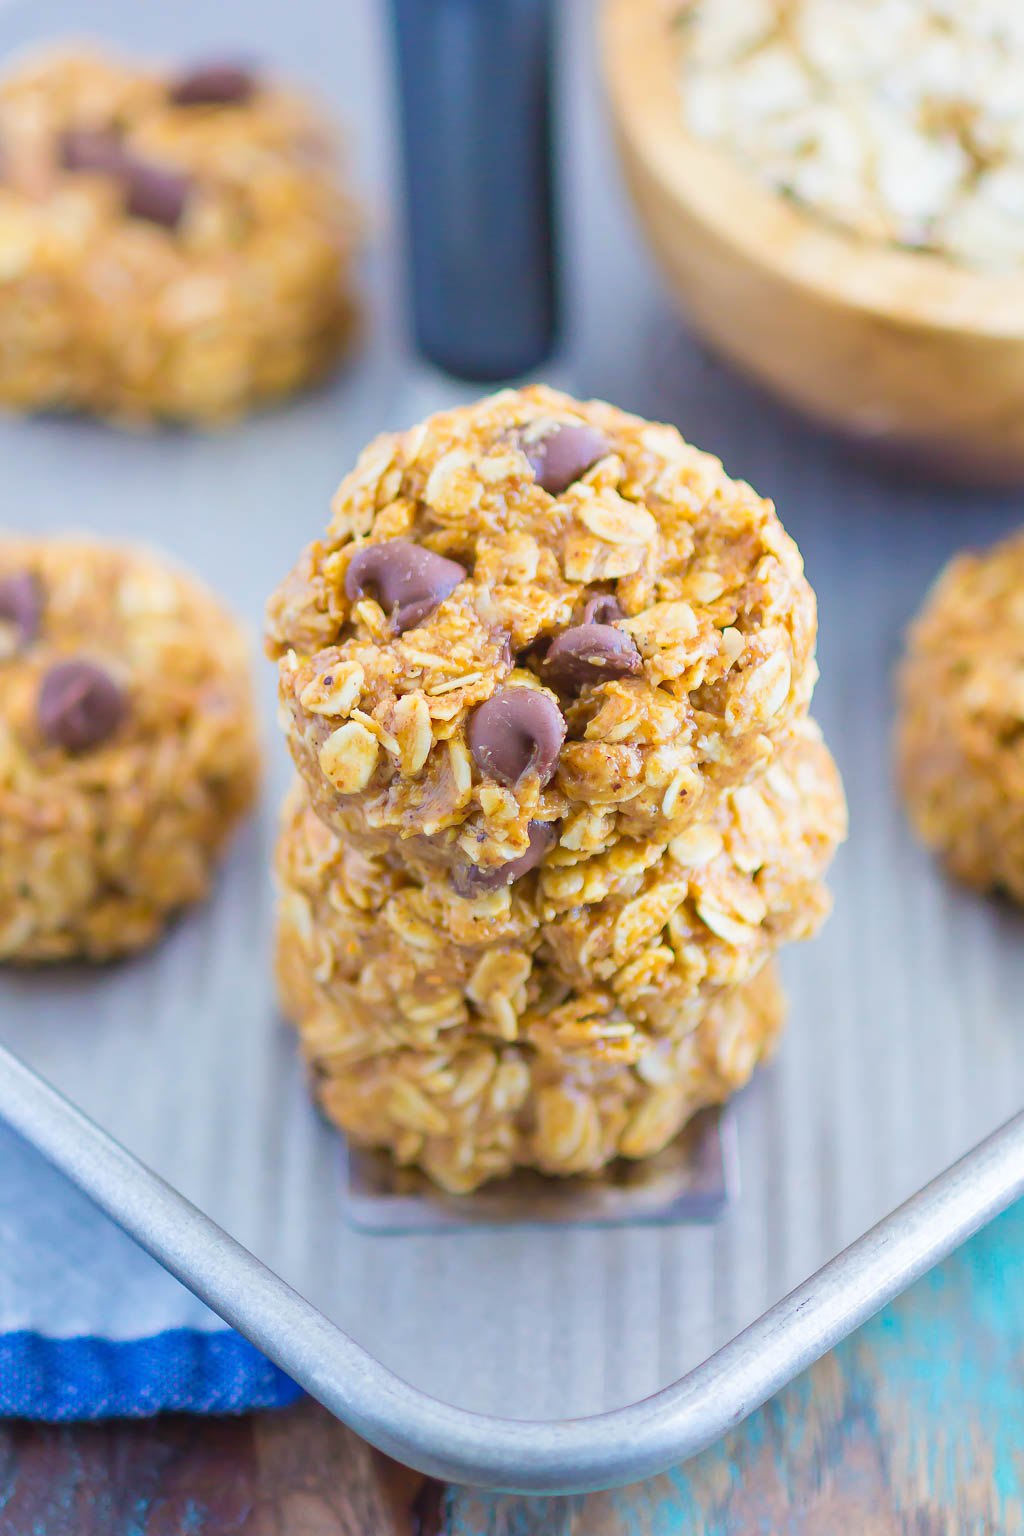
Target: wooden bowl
[(921, 357)]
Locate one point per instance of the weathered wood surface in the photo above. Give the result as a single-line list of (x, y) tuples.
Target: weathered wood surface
[(293, 1473), (914, 1427)]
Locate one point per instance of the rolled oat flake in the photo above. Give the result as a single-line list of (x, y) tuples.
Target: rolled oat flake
[(900, 121)]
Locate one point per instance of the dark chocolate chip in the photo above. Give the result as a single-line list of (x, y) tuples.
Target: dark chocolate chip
[(79, 706), (514, 732), (92, 149), (603, 609), (472, 881), (407, 580), (153, 192), (213, 85), (21, 605), (563, 454), (590, 653)]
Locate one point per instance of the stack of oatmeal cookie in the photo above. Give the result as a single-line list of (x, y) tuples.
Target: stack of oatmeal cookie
[(546, 682)]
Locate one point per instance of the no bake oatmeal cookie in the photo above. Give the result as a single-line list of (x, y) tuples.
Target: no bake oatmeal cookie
[(471, 1108), (960, 739), (535, 621), (128, 745), (171, 245), (594, 958)]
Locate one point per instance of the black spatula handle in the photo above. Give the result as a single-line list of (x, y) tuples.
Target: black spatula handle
[(475, 78)]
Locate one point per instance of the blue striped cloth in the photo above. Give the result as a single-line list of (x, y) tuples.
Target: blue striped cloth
[(181, 1370), (91, 1327)]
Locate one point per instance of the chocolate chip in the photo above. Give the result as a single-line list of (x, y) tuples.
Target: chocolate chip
[(563, 454), (153, 192), (407, 580), (80, 706), (474, 882), (212, 85), (21, 605), (590, 653), (514, 732), (603, 609), (91, 149)]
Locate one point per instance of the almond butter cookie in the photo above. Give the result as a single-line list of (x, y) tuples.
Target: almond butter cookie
[(128, 745), (960, 735), (171, 245), (536, 624)]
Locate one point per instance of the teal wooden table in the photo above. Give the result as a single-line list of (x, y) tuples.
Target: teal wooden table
[(913, 1427)]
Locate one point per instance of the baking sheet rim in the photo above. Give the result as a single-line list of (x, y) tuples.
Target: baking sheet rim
[(529, 1456)]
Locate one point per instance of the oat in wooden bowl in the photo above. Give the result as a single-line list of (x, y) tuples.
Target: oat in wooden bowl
[(834, 188), (899, 122)]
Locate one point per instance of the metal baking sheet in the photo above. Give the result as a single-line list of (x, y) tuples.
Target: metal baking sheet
[(904, 1048)]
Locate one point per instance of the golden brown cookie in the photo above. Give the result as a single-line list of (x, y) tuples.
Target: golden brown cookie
[(535, 621), (590, 956), (171, 245), (960, 737), (472, 1108), (128, 745)]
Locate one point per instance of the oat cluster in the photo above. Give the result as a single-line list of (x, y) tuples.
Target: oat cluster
[(128, 746), (960, 738), (901, 121), (171, 245), (545, 680)]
